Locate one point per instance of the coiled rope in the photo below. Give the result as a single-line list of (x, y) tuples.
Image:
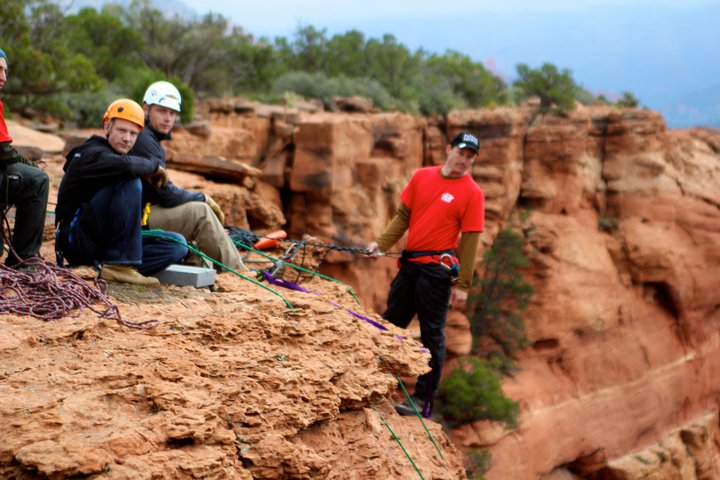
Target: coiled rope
[(45, 291)]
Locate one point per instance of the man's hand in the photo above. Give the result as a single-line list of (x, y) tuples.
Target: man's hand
[(159, 178), (373, 250), (458, 299), (215, 208)]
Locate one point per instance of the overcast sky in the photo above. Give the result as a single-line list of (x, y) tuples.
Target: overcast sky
[(661, 50)]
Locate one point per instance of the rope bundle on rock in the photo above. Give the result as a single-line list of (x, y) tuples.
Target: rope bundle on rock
[(47, 292)]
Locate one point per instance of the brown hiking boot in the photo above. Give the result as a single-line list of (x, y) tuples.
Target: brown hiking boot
[(126, 274)]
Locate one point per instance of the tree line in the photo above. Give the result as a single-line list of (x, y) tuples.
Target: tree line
[(70, 66)]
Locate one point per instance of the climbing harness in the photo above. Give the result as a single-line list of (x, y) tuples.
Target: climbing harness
[(409, 254), (145, 214)]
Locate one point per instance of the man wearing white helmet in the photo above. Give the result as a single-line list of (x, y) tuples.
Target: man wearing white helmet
[(195, 215)]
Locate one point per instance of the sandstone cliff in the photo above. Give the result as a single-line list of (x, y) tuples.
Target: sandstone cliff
[(620, 380)]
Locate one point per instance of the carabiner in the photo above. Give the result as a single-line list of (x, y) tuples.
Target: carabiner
[(450, 262)]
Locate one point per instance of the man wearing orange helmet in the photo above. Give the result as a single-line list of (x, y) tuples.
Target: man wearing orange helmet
[(193, 214), (24, 185), (99, 204)]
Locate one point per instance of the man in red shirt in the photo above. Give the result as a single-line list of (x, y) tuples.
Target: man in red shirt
[(443, 210), (24, 185)]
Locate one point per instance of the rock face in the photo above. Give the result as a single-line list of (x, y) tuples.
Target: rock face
[(620, 380), (624, 245), (230, 385)]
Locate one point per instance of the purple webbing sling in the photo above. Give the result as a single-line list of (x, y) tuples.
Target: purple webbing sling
[(281, 282)]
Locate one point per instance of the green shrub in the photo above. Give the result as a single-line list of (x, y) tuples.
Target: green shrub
[(628, 100), (608, 224), (477, 463), (431, 94), (321, 87), (503, 295), (87, 109), (554, 87), (472, 392)]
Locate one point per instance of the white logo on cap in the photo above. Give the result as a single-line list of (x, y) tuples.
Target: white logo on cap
[(447, 198)]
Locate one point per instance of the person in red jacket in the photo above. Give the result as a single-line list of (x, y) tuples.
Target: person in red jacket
[(24, 185), (443, 210)]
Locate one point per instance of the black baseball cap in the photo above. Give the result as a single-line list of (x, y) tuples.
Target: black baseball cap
[(466, 140)]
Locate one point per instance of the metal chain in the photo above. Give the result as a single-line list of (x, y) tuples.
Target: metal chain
[(248, 238), (339, 248)]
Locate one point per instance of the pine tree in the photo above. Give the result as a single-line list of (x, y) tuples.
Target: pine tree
[(503, 295)]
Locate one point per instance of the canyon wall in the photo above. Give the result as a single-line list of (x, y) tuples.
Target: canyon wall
[(620, 380)]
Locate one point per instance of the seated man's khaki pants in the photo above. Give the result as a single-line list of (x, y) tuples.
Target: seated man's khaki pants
[(197, 223)]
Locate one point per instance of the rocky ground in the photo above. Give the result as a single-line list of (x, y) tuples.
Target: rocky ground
[(231, 384)]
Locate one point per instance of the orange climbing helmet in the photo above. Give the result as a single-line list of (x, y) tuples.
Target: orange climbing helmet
[(125, 109)]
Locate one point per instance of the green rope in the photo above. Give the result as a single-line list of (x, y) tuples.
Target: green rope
[(159, 234), (296, 267), (420, 417), (399, 442)]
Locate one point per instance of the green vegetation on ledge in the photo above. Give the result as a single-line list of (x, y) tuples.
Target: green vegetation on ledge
[(71, 66)]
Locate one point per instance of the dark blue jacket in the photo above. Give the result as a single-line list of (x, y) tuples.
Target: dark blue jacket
[(91, 166), (148, 145)]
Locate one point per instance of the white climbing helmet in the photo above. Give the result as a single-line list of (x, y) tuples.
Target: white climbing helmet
[(164, 94)]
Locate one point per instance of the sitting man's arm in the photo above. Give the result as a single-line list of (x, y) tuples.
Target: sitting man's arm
[(9, 155)]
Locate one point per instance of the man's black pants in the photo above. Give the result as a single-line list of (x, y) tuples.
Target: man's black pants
[(26, 187), (423, 289)]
